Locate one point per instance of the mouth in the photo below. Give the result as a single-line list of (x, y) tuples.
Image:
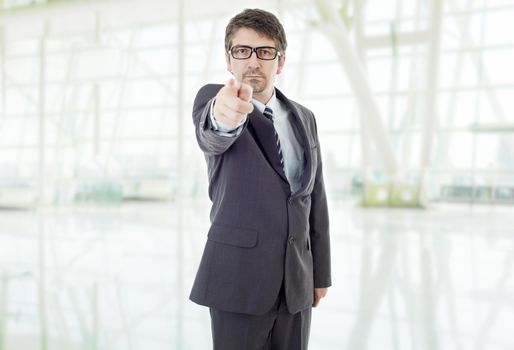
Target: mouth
[(254, 77)]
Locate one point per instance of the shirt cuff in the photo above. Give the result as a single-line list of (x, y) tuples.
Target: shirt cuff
[(223, 129)]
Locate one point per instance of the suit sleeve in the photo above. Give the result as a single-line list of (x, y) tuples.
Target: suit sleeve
[(319, 228), (211, 142)]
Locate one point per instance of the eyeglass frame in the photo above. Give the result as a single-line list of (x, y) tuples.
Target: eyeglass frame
[(254, 49)]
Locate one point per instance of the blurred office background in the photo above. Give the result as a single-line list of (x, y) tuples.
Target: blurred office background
[(103, 190)]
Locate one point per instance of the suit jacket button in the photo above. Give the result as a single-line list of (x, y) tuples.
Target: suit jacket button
[(291, 239)]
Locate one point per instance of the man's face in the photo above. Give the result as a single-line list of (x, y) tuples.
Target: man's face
[(259, 74)]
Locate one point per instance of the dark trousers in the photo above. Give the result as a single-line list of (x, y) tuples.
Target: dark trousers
[(275, 330)]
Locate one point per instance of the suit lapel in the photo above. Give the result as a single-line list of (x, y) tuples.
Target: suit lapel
[(303, 140), (263, 132)]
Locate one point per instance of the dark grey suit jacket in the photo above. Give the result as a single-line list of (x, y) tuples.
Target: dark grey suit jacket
[(261, 234)]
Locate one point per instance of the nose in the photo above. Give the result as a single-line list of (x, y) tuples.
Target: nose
[(253, 61)]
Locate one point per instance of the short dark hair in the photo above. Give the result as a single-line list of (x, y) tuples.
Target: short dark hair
[(263, 22)]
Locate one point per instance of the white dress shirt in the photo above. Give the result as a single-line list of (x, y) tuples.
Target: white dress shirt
[(292, 150)]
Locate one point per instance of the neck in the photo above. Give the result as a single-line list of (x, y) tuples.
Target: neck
[(263, 97)]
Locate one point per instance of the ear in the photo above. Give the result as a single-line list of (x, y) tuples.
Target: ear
[(281, 62), (229, 64)]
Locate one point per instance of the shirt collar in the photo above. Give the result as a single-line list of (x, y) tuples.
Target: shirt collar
[(272, 103)]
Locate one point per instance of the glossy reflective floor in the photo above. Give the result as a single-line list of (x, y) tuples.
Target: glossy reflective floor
[(118, 278)]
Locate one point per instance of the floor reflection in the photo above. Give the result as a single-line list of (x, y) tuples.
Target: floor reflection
[(118, 278)]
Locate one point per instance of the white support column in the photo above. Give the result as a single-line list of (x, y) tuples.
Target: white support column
[(96, 120), (211, 52), (96, 93), (336, 32), (431, 99), (481, 70), (361, 53), (281, 79), (43, 192), (96, 317), (180, 98), (42, 303), (63, 124), (300, 70), (463, 23), (180, 192), (3, 309), (42, 188), (364, 144), (3, 72), (129, 56), (408, 117)]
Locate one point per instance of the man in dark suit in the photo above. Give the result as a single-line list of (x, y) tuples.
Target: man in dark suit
[(266, 261)]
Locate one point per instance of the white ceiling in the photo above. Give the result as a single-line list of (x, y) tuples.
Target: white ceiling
[(83, 15)]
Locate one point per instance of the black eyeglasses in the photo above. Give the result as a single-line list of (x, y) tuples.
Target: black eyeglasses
[(242, 52)]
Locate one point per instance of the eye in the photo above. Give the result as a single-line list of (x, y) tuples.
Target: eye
[(266, 52), (242, 50)]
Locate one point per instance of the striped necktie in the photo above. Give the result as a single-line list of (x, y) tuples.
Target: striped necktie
[(268, 113)]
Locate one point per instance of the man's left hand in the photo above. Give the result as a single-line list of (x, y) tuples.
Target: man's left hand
[(318, 294)]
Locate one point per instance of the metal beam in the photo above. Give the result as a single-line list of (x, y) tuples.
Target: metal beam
[(401, 39), (336, 32)]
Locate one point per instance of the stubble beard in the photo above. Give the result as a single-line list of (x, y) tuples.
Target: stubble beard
[(258, 85)]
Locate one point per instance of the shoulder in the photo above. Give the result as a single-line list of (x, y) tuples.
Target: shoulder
[(304, 113), (301, 109), (296, 106)]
